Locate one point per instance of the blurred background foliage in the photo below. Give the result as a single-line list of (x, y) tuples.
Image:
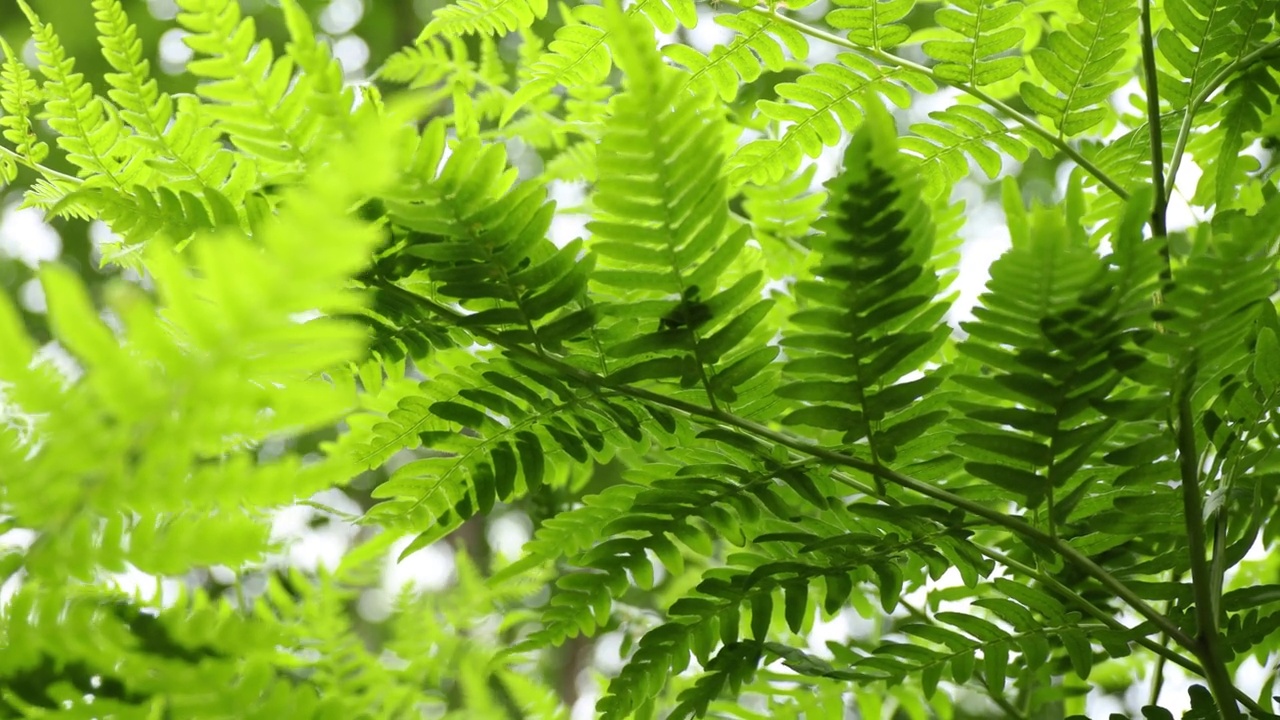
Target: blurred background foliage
[(364, 33)]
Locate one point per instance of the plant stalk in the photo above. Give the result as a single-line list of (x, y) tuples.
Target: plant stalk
[(1208, 641), (1160, 209)]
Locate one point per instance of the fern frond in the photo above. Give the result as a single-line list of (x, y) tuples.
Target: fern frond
[(252, 96), (984, 30), (19, 97), (759, 43), (321, 75), (483, 17), (1046, 333), (92, 136), (121, 473), (778, 571), (786, 211), (1079, 63), (958, 133), (483, 244), (579, 52), (575, 163), (663, 234), (188, 152), (1200, 37), (1210, 309), (577, 55), (824, 104), (515, 435), (144, 214), (1247, 100), (876, 24), (871, 319)]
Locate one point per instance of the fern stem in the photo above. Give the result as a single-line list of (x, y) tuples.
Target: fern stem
[(1160, 649), (1160, 208), (49, 173), (1208, 646), (1012, 524), (894, 60), (1193, 105)]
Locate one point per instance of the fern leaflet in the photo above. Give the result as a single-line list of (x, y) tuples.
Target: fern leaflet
[(983, 37), (1078, 62), (483, 17), (875, 24)]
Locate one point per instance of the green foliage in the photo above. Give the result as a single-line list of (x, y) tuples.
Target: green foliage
[(584, 281), (873, 23), (1079, 63), (982, 31)]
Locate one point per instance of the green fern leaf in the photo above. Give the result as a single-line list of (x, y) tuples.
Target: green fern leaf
[(253, 101), (663, 233), (759, 44), (961, 132), (483, 17), (872, 318), (188, 152), (984, 30), (875, 24), (1200, 37), (579, 53), (1062, 333), (478, 241), (1079, 62), (824, 104), (91, 135), (787, 211), (1249, 98), (19, 96)]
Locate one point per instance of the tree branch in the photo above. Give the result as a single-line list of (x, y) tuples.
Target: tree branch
[(1208, 644)]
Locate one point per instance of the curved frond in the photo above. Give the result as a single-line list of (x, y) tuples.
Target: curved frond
[(824, 105), (959, 133), (483, 17), (1199, 41), (1046, 335), (758, 46), (579, 52), (190, 152), (1248, 100), (252, 93), (91, 134), (19, 97)]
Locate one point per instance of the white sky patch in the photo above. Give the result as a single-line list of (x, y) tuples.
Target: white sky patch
[(352, 53), (174, 53), (25, 235), (430, 568), (341, 16)]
